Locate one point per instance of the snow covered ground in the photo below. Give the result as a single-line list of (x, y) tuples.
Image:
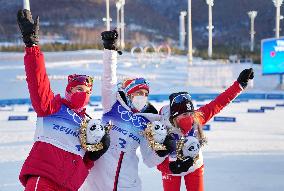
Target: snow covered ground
[(246, 155)]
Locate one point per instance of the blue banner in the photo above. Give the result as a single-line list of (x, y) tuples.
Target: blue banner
[(272, 56)]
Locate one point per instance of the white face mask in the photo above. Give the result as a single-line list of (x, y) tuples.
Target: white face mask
[(139, 102)]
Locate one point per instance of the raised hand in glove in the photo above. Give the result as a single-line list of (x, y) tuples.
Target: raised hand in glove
[(245, 76), (29, 28), (109, 40), (97, 154), (180, 166), (170, 144)]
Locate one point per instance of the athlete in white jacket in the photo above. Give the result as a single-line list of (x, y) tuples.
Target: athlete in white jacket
[(117, 169)]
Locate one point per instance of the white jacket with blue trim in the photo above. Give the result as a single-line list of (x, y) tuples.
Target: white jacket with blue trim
[(117, 169)]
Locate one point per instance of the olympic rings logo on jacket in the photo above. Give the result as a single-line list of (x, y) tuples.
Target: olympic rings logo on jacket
[(136, 120), (76, 118)]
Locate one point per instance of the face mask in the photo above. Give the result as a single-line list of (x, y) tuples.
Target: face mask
[(79, 100), (185, 123), (139, 102)]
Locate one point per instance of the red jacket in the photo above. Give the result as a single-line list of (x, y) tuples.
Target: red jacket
[(208, 111), (45, 160)]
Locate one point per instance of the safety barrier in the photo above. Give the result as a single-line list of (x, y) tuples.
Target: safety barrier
[(275, 96), (256, 110), (31, 109), (267, 108), (18, 118), (225, 119), (206, 128)]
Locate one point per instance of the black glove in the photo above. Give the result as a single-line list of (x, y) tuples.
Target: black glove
[(180, 166), (170, 144), (29, 28), (109, 40), (97, 154), (245, 76)]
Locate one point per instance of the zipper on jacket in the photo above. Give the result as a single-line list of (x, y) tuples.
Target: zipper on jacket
[(118, 171)]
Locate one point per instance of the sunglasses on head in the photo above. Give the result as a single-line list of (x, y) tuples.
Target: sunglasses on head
[(82, 79), (181, 98), (141, 81)]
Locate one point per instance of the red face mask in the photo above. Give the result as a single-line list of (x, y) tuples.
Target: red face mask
[(185, 123), (79, 100)]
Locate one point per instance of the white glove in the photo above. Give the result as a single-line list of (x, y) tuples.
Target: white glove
[(95, 131), (159, 132), (191, 147), (165, 115)]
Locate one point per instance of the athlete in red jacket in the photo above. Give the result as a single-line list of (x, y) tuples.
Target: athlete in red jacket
[(56, 161), (187, 122)]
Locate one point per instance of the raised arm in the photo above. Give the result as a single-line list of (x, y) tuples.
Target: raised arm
[(222, 100), (38, 83), (109, 78), (41, 95)]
